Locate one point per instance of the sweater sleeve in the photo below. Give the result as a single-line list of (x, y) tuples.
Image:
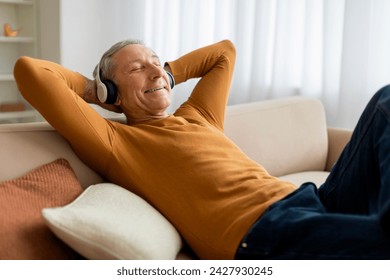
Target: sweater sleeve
[(56, 92), (214, 64)]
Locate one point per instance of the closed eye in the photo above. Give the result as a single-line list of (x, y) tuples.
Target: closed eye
[(138, 68)]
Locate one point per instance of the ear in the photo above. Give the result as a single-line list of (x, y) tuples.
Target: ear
[(118, 101)]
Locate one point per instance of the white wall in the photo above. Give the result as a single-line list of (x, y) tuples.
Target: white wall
[(89, 27), (49, 29), (356, 57)]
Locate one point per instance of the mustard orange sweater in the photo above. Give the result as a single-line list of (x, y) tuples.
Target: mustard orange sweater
[(184, 165)]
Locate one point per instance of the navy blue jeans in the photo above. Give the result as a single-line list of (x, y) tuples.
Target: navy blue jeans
[(348, 217)]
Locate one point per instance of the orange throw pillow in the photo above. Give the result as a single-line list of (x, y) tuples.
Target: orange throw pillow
[(23, 232)]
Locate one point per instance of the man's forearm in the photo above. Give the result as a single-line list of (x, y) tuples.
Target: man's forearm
[(199, 62), (90, 92)]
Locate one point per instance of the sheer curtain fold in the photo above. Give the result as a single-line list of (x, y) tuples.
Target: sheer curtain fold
[(335, 50)]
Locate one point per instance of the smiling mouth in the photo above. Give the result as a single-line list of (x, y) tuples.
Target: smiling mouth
[(154, 89)]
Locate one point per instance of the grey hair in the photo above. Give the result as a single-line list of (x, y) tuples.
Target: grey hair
[(106, 63)]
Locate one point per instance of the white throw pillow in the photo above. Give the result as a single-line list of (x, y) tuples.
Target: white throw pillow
[(109, 222)]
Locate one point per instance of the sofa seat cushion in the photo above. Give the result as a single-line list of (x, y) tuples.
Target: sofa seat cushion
[(109, 222), (316, 177), (24, 234)]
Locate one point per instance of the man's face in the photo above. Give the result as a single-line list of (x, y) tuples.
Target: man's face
[(142, 83)]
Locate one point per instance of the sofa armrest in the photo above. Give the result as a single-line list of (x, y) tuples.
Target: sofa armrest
[(337, 139)]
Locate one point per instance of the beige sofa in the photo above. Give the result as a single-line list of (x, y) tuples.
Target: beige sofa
[(288, 136)]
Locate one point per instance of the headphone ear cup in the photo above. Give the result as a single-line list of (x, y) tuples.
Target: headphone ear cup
[(112, 92), (106, 90), (171, 79)]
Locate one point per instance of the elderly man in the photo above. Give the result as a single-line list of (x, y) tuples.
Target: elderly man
[(223, 204)]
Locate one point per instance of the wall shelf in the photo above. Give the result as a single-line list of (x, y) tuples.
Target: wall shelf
[(17, 39), (6, 77), (17, 2), (8, 117), (20, 14)]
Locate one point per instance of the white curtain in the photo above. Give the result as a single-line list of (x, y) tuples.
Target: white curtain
[(334, 50)]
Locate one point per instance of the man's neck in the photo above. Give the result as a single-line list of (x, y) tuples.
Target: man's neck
[(134, 121)]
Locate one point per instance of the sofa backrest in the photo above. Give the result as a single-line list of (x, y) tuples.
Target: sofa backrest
[(24, 147), (285, 135)]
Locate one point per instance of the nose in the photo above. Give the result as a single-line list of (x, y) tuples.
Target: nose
[(156, 72)]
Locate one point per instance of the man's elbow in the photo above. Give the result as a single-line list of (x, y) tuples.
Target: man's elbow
[(23, 71), (229, 49), (21, 68), (228, 45)]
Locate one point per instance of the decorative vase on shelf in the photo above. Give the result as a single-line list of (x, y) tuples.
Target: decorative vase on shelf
[(9, 31)]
